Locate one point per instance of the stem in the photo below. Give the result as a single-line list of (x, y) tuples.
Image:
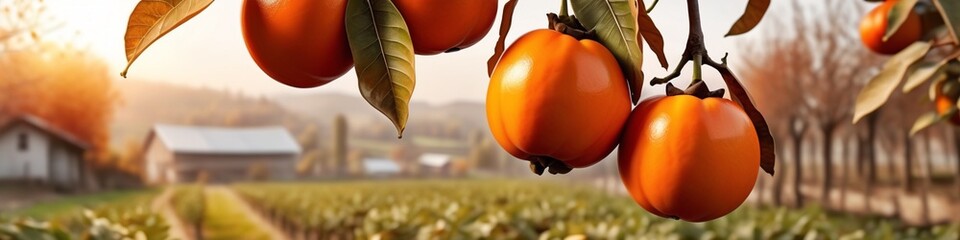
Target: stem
[(650, 9), (696, 50), (563, 8), (697, 69)]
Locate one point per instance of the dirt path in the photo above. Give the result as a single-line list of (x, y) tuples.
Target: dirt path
[(161, 205), (252, 215)]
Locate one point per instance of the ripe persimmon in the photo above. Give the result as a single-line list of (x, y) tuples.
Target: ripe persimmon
[(301, 43), (874, 26), (946, 96), (438, 26), (688, 158), (554, 99)]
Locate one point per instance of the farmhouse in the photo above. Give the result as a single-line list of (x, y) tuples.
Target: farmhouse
[(31, 150), (180, 153)]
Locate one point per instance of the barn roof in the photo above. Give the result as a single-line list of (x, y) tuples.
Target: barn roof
[(222, 140), (43, 125)]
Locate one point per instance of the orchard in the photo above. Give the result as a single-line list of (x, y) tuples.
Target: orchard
[(923, 37), (561, 98)]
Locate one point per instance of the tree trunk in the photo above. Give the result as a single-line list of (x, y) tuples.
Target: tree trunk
[(778, 180), (871, 155), (908, 184), (797, 130), (827, 130), (844, 170), (927, 175), (956, 149)]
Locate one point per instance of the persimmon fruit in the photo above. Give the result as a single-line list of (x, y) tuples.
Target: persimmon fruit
[(874, 26), (554, 99), (684, 157), (438, 26), (946, 97), (300, 43)]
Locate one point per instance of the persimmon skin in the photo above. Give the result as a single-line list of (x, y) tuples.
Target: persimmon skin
[(874, 25), (686, 158), (946, 102), (552, 96), (300, 43), (438, 26)]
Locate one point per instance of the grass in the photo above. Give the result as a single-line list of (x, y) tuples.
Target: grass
[(514, 209), (74, 204), (224, 219)]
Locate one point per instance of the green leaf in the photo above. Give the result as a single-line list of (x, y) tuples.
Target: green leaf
[(505, 22), (750, 18), (950, 11), (151, 19), (878, 90), (616, 28), (922, 72), (928, 119), (897, 16), (383, 52)]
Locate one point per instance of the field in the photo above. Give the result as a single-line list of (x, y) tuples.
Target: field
[(504, 209), (113, 215), (423, 209)]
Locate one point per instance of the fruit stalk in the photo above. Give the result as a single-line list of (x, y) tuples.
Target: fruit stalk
[(563, 8)]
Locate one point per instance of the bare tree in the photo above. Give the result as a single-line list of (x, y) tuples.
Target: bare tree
[(808, 76), (21, 22)]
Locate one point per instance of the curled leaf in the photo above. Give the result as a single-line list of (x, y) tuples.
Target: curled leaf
[(151, 19), (383, 51), (616, 29), (878, 90), (768, 152), (928, 119), (505, 23), (750, 18), (649, 32), (922, 72), (897, 16)]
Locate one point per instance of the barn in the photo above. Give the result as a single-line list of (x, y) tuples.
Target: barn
[(176, 153), (32, 150)]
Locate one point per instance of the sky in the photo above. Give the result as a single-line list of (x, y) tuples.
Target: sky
[(208, 51)]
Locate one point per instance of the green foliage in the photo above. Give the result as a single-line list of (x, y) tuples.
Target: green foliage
[(106, 223), (224, 219), (380, 42), (68, 206), (500, 209), (186, 203)]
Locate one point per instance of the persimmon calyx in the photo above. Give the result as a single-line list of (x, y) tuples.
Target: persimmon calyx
[(570, 25), (698, 89), (540, 164)]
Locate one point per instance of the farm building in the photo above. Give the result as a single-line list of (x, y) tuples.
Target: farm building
[(180, 153), (380, 167), (31, 150), (436, 164)]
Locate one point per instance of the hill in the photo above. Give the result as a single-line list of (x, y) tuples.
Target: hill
[(145, 103), (322, 107)]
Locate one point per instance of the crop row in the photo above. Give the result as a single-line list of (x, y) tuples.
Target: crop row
[(501, 209), (101, 224)]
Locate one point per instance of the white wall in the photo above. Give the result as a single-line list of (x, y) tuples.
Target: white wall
[(13, 161), (158, 162)]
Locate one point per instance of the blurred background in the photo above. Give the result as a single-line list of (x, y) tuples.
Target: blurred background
[(199, 144)]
